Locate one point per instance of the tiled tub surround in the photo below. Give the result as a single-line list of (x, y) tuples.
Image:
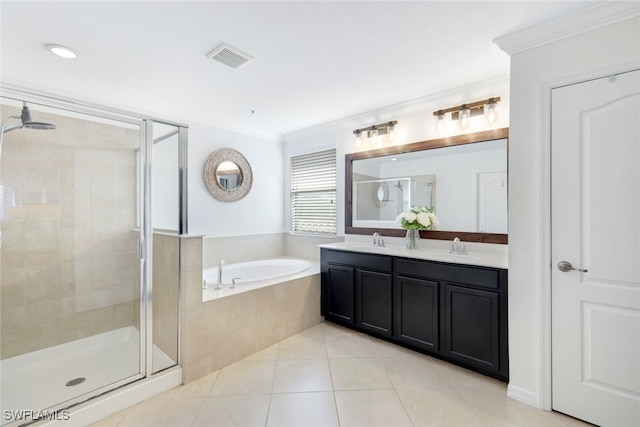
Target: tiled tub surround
[(235, 249), (219, 332), (69, 253)]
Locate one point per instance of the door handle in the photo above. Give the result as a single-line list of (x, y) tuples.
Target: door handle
[(565, 266)]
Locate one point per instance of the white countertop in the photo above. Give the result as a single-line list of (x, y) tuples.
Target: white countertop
[(478, 255)]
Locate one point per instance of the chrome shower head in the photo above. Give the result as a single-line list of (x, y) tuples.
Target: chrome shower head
[(28, 123)]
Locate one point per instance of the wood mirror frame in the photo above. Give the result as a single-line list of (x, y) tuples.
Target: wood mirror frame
[(471, 138)]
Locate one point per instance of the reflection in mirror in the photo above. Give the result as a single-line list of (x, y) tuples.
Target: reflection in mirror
[(228, 175), (464, 178)]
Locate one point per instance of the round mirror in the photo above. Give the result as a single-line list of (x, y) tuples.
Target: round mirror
[(228, 175)]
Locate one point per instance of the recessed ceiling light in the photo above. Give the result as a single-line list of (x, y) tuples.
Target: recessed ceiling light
[(62, 51)]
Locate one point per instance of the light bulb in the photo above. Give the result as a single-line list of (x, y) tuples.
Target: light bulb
[(358, 140), (465, 118), (392, 133), (374, 136), (491, 112)]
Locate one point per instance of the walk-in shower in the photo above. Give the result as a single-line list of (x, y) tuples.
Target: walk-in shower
[(77, 315)]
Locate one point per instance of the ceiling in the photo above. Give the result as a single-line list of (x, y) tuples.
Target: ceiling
[(315, 61)]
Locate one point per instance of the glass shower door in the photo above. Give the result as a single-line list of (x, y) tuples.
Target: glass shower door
[(70, 282)]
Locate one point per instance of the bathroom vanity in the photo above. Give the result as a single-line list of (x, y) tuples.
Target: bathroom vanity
[(453, 307)]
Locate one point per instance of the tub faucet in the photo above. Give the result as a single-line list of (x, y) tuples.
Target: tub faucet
[(219, 286)]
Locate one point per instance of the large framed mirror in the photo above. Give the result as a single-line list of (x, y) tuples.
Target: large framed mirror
[(463, 178)]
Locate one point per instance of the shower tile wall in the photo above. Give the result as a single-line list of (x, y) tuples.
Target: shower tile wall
[(69, 250)]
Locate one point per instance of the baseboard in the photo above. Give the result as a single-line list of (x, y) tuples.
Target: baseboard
[(522, 395)]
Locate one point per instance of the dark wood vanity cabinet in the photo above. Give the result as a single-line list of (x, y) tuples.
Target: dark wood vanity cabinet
[(452, 311), (373, 301), (471, 325), (338, 298), (357, 290), (417, 312)]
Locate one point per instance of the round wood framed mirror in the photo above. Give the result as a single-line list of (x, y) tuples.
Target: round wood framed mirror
[(228, 175)]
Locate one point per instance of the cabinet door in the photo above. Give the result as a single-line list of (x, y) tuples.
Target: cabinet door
[(340, 293), (374, 298), (416, 313), (471, 327)]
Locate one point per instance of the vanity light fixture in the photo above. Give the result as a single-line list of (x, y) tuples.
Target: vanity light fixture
[(375, 132), (465, 112), (62, 51)]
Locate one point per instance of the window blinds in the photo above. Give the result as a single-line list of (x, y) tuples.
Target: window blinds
[(313, 193)]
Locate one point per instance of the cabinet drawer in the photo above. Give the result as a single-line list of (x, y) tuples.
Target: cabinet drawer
[(475, 276), (370, 262)]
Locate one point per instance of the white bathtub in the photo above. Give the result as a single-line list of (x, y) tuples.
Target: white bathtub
[(254, 274)]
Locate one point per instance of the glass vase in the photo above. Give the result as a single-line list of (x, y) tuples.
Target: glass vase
[(412, 238)]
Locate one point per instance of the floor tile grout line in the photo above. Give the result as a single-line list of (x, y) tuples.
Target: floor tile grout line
[(333, 387)]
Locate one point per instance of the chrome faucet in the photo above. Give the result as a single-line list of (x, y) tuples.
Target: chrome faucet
[(219, 286), (233, 282), (458, 248), (378, 240)]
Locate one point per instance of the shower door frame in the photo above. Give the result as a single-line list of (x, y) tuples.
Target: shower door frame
[(145, 241)]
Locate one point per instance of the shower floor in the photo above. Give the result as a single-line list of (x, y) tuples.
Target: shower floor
[(37, 380)]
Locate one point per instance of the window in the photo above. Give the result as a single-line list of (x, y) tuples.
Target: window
[(313, 193)]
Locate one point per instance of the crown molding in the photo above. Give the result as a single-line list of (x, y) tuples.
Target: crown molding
[(452, 96), (592, 17)]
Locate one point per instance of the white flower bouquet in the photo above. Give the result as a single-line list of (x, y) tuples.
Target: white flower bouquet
[(418, 218)]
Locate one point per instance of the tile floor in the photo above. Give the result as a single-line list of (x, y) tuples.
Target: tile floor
[(333, 376)]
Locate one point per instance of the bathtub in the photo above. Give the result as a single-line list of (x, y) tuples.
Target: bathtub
[(254, 275)]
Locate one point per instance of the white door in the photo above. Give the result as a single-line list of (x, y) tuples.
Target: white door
[(595, 175)]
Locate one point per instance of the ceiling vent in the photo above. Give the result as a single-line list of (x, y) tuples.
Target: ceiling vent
[(230, 56)]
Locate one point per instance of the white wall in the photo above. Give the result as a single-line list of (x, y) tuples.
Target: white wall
[(260, 211), (415, 123), (533, 73)]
